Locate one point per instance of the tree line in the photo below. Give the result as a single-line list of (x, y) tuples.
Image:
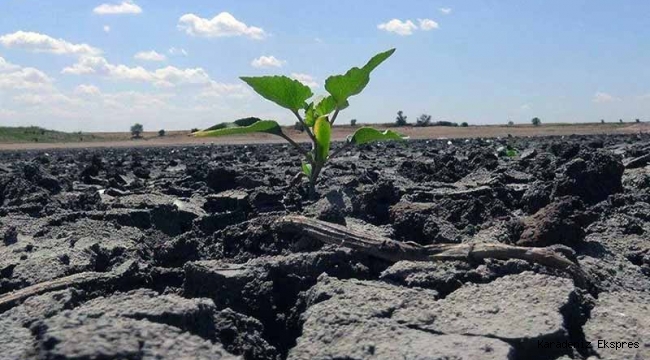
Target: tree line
[(401, 120)]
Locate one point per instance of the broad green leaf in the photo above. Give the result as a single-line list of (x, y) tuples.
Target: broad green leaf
[(310, 115), (326, 106), (367, 135), (306, 169), (323, 134), (511, 153), (241, 122), (377, 60), (263, 126), (341, 87), (284, 91)]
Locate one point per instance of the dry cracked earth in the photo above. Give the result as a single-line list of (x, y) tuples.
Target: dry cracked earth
[(171, 253)]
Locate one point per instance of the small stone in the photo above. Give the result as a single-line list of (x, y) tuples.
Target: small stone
[(528, 154)]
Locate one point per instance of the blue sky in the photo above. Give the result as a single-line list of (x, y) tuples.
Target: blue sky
[(102, 65)]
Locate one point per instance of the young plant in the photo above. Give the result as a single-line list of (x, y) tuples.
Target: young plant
[(316, 117)]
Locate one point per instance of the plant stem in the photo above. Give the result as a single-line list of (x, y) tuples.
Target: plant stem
[(340, 150), (336, 114), (313, 179), (298, 147), (304, 125)]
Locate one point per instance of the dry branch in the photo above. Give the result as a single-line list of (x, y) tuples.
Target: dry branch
[(391, 250), (94, 279)]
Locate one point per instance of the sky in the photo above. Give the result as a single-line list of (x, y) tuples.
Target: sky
[(102, 65)]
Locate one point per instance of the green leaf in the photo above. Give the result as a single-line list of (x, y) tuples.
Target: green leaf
[(341, 87), (284, 91), (367, 135), (310, 115), (241, 122), (223, 129), (511, 153), (323, 134), (377, 60), (326, 106), (306, 169)]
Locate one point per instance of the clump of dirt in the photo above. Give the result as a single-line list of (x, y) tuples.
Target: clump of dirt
[(561, 222)]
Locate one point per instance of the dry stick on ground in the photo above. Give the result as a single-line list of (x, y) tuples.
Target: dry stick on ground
[(94, 279), (391, 250)]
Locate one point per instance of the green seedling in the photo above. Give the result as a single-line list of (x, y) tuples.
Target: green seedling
[(317, 117), (508, 151), (511, 153)]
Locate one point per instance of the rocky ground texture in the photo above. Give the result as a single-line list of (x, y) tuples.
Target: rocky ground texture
[(171, 253)]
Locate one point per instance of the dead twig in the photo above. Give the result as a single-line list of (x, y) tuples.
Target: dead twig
[(391, 250), (85, 279)]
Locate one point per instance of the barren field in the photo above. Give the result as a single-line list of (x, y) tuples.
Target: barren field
[(216, 252), (180, 138)]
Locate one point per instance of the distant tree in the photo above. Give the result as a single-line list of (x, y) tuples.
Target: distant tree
[(638, 120), (620, 121), (194, 130), (400, 120), (536, 121), (510, 123), (136, 130), (353, 122), (445, 123), (161, 132), (299, 126), (464, 124), (602, 121), (423, 120)]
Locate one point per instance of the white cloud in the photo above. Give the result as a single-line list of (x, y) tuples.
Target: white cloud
[(445, 11), (428, 24), (267, 61), (32, 98), (36, 42), (25, 78), (601, 97), (305, 79), (222, 25), (54, 98), (107, 29), (398, 27), (525, 107), (133, 100), (14, 77), (218, 90), (126, 7), (88, 65), (169, 76), (150, 56), (90, 90), (7, 66), (165, 77), (177, 51)]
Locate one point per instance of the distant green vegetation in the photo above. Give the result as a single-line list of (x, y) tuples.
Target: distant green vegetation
[(35, 134)]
